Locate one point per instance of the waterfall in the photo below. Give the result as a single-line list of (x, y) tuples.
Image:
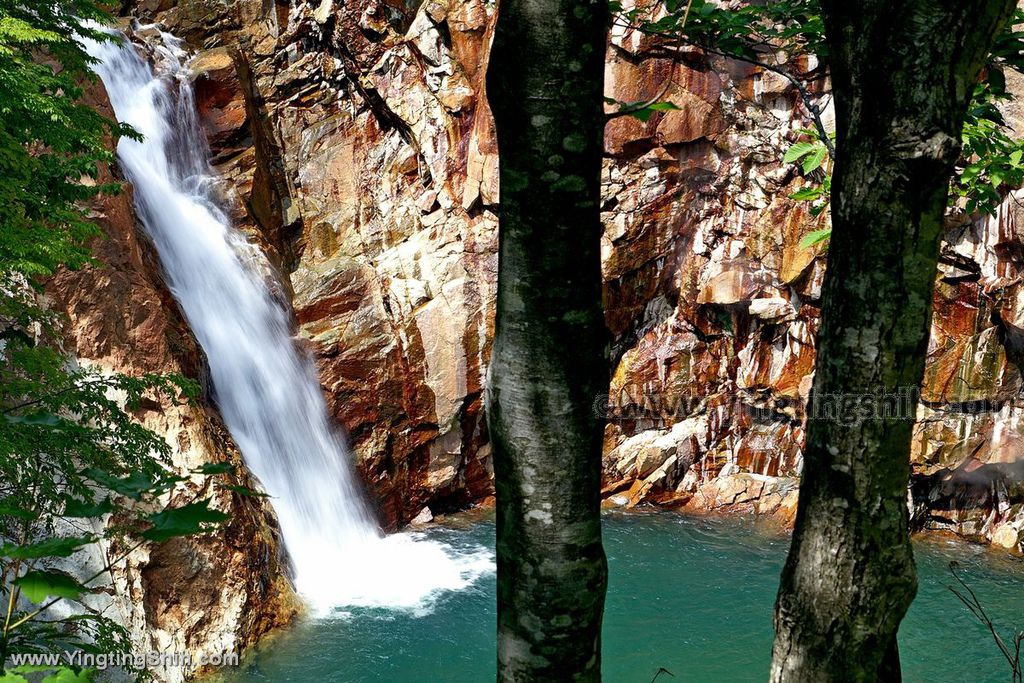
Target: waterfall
[(267, 391)]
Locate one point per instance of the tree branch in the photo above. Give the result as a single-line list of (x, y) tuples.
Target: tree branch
[(976, 608), (662, 670), (805, 96), (632, 109)]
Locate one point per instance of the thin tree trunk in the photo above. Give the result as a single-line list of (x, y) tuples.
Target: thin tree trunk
[(903, 72), (549, 358)]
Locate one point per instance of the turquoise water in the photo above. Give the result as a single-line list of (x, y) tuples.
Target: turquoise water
[(691, 595)]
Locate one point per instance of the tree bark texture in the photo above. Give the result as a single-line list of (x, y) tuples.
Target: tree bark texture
[(903, 72), (549, 359)]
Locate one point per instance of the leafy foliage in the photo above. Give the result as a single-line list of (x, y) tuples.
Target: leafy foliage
[(186, 520), (991, 161), (75, 467), (811, 156), (750, 32), (49, 140), (38, 585), (814, 162)]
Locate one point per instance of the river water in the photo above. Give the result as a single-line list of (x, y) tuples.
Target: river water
[(691, 595)]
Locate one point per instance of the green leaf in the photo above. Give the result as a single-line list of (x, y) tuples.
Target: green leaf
[(10, 508), (246, 491), (642, 114), (194, 518), (81, 508), (51, 547), (996, 79), (645, 113), (815, 237), (10, 677), (814, 160), (133, 486), (798, 151), (66, 675), (215, 468), (664, 106), (971, 172), (39, 585), (806, 194)]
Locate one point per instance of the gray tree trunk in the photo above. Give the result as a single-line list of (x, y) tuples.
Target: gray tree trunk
[(903, 72), (549, 359)]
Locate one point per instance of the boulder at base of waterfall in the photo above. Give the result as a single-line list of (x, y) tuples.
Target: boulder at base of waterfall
[(425, 516)]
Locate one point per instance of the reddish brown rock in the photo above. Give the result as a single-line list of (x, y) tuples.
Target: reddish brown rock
[(220, 100), (205, 595), (371, 179)]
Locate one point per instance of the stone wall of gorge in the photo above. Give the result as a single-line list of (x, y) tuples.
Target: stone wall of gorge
[(357, 147), (364, 164), (203, 595)]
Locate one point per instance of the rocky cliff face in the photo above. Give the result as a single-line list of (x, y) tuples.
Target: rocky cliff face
[(365, 165), (206, 595), (356, 143)]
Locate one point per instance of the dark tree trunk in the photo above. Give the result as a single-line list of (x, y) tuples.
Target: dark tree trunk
[(903, 72), (544, 84)]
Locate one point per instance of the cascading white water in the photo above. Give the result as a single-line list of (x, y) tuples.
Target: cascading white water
[(267, 391)]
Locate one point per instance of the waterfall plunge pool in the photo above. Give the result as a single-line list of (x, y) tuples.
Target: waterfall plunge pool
[(692, 595)]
